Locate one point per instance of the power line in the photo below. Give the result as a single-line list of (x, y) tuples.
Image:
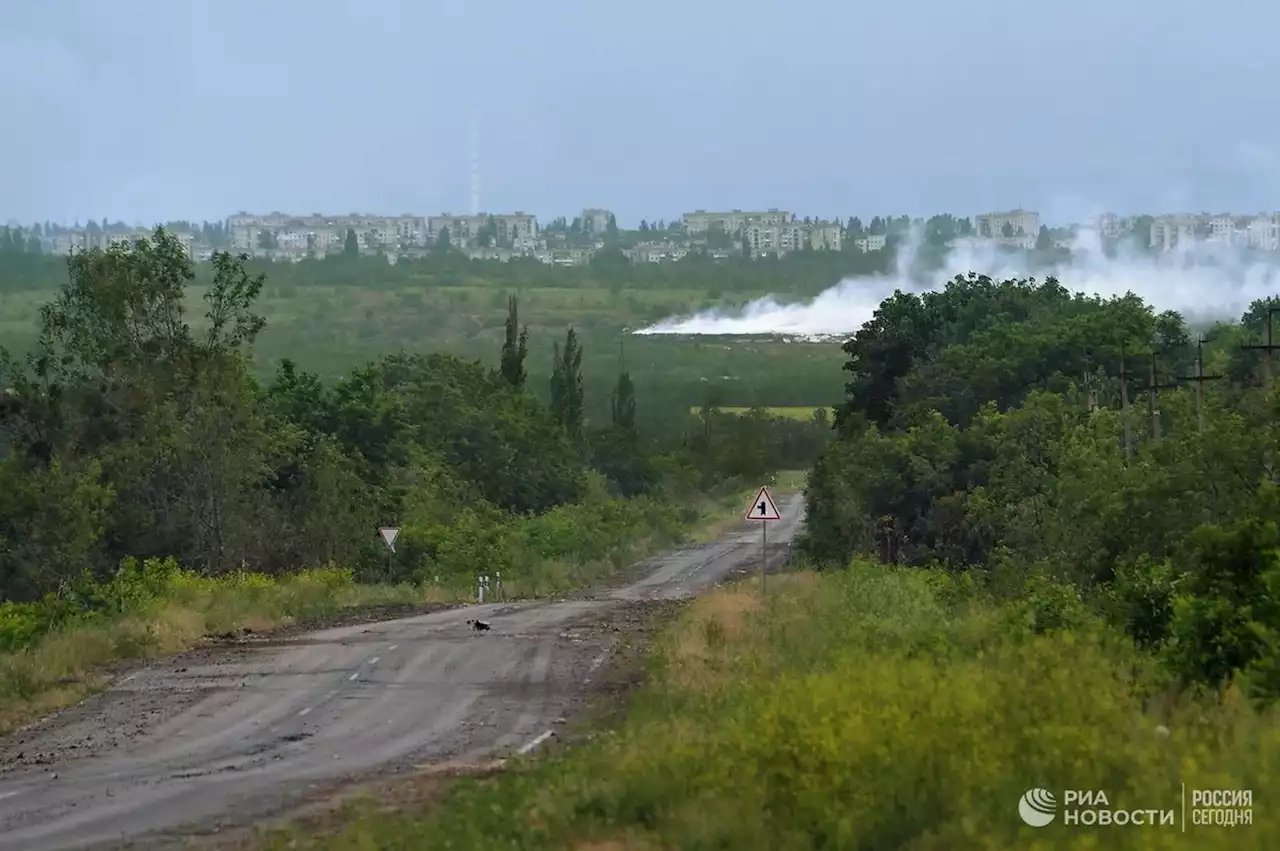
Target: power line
[(1124, 407), (1154, 387), (1268, 456), (1200, 378), (1266, 349)]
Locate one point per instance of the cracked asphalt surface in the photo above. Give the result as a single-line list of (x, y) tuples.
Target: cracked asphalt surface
[(232, 734)]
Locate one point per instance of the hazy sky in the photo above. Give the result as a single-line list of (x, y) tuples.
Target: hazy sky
[(146, 110)]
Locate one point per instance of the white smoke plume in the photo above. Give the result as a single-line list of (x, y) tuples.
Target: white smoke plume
[(1204, 282)]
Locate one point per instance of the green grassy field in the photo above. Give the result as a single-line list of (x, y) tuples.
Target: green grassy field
[(330, 329)]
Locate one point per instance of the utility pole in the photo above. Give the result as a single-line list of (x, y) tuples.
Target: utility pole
[(1124, 407), (1200, 378), (886, 529), (1152, 389), (1091, 387), (1266, 349), (1268, 456)]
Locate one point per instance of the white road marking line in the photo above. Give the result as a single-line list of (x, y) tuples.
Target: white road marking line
[(305, 711), (598, 661), (353, 676), (374, 660), (11, 794), (393, 647), (537, 741), (130, 677)]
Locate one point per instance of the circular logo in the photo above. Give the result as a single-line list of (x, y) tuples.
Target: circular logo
[(1038, 807)]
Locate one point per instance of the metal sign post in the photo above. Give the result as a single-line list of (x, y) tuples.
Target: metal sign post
[(764, 510), (389, 534), (764, 554)]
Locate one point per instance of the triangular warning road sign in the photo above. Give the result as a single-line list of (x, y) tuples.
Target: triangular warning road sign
[(389, 535), (763, 508)]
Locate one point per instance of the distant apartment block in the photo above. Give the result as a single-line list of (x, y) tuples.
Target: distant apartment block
[(1264, 232), (564, 256), (655, 252), (1013, 224), (1229, 230), (292, 236), (1108, 225), (518, 228), (66, 242), (781, 239), (700, 221), (1168, 233), (870, 242), (595, 221)]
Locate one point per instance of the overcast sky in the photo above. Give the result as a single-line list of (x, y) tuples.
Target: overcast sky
[(144, 110)]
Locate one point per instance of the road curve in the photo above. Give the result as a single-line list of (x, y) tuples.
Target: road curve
[(245, 730)]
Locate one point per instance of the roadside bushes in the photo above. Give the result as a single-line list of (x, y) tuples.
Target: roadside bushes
[(141, 587), (601, 531), (873, 708), (581, 540)]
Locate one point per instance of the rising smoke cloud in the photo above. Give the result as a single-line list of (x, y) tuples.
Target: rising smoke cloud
[(1205, 282)]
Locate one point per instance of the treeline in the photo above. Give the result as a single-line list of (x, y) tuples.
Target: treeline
[(801, 273), (127, 434), (984, 431)]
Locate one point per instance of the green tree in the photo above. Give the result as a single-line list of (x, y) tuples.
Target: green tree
[(623, 404), (118, 376), (515, 347), (1044, 242), (351, 245), (566, 386)]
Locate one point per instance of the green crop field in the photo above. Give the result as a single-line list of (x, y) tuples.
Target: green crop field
[(329, 328)]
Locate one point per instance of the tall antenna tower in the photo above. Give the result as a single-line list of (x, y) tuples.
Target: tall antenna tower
[(475, 159)]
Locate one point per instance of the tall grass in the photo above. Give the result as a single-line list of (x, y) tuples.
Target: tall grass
[(57, 650), (870, 709)]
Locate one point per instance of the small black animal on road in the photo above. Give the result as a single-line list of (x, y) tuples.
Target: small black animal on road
[(478, 626)]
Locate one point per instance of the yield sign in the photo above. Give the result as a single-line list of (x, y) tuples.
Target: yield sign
[(763, 508), (389, 535)]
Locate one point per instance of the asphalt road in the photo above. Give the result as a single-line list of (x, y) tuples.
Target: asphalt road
[(240, 732)]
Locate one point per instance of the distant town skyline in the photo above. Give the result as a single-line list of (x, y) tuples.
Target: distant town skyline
[(1092, 214), (294, 237)]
